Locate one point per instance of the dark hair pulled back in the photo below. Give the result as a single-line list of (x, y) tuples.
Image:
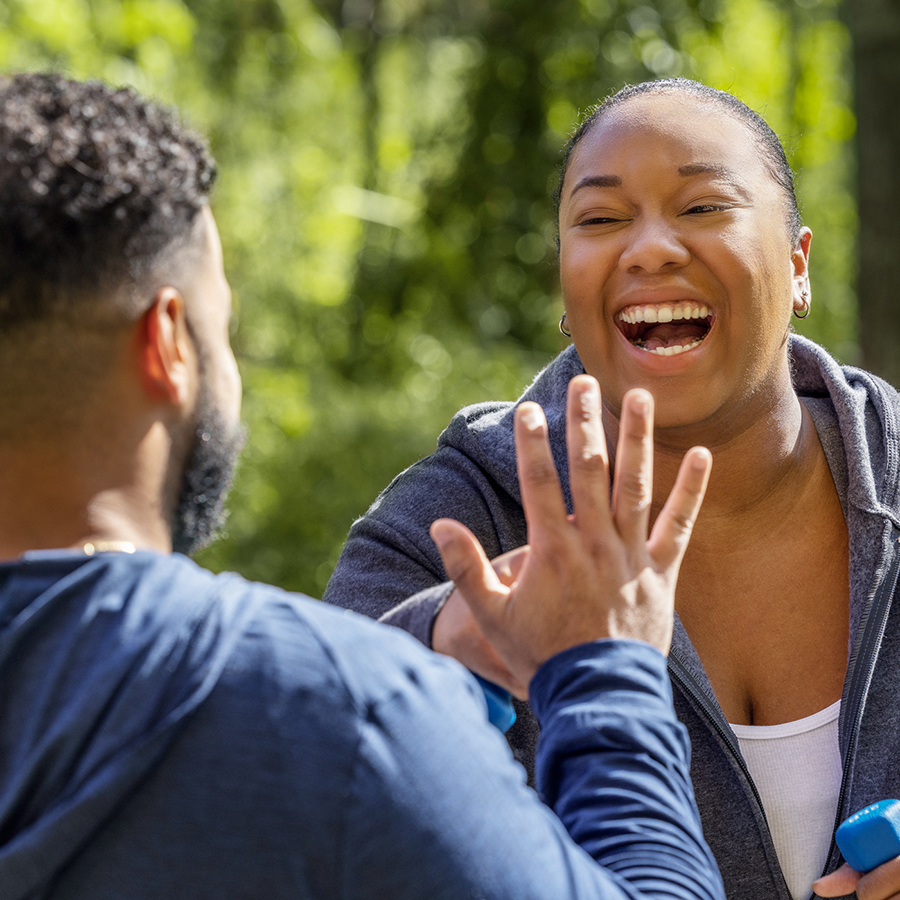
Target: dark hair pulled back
[(769, 143)]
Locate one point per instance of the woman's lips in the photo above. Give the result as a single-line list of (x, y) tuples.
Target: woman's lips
[(665, 329)]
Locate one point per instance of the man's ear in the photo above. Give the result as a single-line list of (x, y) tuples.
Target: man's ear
[(168, 362)]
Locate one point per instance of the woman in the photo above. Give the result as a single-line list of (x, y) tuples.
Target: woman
[(682, 259)]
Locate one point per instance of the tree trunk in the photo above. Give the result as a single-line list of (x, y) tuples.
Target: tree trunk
[(875, 25)]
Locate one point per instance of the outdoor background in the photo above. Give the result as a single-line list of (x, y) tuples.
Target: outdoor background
[(384, 200)]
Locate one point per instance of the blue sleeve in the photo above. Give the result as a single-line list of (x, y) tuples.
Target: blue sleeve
[(613, 762), (436, 807)]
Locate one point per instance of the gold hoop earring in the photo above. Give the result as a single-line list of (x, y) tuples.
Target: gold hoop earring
[(562, 326)]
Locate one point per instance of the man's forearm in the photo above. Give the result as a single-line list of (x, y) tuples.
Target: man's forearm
[(613, 763)]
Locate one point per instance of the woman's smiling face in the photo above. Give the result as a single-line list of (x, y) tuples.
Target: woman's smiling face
[(678, 270)]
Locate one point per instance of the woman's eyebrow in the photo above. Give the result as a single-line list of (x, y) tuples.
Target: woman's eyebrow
[(602, 181), (722, 172), (691, 169)]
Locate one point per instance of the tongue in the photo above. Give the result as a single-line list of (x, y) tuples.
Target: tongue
[(672, 334)]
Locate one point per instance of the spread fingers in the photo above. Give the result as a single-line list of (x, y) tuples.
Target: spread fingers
[(542, 500), (588, 458), (673, 527), (633, 485)]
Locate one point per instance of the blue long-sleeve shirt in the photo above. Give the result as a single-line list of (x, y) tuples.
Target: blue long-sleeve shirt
[(167, 733)]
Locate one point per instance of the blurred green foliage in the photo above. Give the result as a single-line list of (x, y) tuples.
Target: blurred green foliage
[(384, 201)]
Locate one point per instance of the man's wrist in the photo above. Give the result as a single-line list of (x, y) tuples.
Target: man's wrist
[(609, 665)]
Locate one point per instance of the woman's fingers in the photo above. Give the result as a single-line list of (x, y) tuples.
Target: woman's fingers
[(542, 500), (882, 883), (508, 565), (673, 527), (456, 633), (839, 883), (588, 457), (633, 484), (491, 602)]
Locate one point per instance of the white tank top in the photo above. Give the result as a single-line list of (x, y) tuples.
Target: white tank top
[(796, 767)]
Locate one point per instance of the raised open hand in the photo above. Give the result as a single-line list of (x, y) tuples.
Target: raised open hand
[(593, 574)]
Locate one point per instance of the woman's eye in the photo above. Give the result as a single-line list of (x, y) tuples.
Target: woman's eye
[(599, 220)]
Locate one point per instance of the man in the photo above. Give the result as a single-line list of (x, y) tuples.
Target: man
[(168, 733)]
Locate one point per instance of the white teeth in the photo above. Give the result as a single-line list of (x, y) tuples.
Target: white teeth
[(671, 351), (634, 314)]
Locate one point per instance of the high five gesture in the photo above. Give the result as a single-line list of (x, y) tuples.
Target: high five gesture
[(592, 574)]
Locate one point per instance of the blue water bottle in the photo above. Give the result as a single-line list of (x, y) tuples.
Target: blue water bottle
[(871, 836)]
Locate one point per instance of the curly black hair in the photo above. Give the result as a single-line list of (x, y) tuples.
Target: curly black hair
[(95, 183)]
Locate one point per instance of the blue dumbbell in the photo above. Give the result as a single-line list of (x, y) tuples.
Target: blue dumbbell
[(501, 712), (871, 836)]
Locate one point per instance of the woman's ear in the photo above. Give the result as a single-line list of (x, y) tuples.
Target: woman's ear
[(800, 268), (168, 362)]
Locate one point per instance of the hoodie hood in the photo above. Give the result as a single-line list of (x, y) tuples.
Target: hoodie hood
[(868, 413), (484, 432), (867, 410), (101, 690)]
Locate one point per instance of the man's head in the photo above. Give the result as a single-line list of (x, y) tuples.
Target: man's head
[(96, 185), (106, 241)]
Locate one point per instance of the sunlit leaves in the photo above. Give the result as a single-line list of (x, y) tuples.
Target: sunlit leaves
[(384, 200)]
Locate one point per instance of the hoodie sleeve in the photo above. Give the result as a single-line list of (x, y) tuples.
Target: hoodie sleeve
[(613, 764), (389, 555)]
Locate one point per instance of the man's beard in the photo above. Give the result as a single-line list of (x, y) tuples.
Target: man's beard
[(208, 469)]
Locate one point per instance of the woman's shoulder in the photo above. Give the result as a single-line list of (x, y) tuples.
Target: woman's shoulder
[(865, 411), (816, 372), (485, 430)]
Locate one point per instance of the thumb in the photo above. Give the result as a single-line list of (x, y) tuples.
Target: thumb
[(838, 884), (469, 569)]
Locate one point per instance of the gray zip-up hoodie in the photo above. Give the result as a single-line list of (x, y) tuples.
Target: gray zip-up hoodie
[(472, 477)]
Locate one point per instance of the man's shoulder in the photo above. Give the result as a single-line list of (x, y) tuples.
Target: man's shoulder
[(155, 605), (301, 644), (159, 636)]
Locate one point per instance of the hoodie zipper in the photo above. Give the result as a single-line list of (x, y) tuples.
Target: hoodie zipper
[(865, 655), (692, 688)]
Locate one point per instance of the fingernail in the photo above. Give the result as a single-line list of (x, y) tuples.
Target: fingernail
[(640, 405), (700, 461), (531, 417), (440, 533), (586, 383), (589, 397)]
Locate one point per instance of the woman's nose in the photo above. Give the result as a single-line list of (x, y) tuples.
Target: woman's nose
[(653, 245)]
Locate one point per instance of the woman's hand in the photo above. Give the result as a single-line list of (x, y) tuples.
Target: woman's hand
[(882, 883), (456, 633), (593, 574)]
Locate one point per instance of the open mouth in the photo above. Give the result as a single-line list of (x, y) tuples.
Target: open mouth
[(665, 329)]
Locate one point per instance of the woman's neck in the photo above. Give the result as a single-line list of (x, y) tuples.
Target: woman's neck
[(762, 460)]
